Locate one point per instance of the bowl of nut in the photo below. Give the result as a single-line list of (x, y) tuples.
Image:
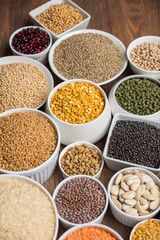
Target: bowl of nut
[(134, 195)]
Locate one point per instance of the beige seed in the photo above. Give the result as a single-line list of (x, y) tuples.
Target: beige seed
[(145, 206), (125, 206), (149, 185), (140, 191), (146, 178), (155, 192), (129, 195), (149, 196), (143, 212), (154, 204), (124, 186), (130, 202), (115, 189), (118, 178), (131, 211), (116, 202), (142, 201), (138, 207)]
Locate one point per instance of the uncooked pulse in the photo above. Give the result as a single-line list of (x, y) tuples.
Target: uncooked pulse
[(26, 141), (88, 56), (22, 86)]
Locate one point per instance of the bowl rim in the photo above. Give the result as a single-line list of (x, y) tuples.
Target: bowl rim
[(54, 90), (30, 55), (70, 224), (80, 143), (130, 48), (114, 39), (46, 163), (44, 190), (152, 175)]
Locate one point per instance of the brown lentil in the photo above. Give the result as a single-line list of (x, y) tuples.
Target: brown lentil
[(80, 200), (60, 17), (26, 141), (146, 56), (22, 86), (88, 56), (77, 103), (81, 159)]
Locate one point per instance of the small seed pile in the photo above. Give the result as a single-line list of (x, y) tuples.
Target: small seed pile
[(135, 142), (22, 86), (26, 141), (146, 56), (81, 159), (77, 103), (80, 200), (135, 193), (139, 96), (88, 56), (148, 230), (60, 17)]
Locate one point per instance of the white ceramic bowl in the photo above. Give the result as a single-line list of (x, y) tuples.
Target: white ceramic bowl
[(116, 108), (117, 164), (65, 175), (43, 190), (133, 230), (104, 227), (133, 44), (122, 217), (92, 131), (44, 171), (42, 56), (66, 224), (42, 8), (115, 40), (42, 68)]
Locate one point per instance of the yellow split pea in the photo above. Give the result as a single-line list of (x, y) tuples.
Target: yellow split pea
[(77, 103)]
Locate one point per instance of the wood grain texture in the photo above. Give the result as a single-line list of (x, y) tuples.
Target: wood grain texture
[(126, 19)]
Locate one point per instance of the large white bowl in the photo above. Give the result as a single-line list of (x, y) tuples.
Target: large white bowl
[(43, 190), (42, 8), (65, 175), (42, 68), (66, 224), (104, 227), (92, 131), (115, 40), (42, 56), (117, 164), (44, 171), (116, 108), (133, 44), (122, 217)]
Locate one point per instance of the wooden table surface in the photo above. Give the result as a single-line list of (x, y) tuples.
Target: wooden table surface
[(125, 19)]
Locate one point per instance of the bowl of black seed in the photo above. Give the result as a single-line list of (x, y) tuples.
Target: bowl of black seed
[(133, 142), (136, 95), (80, 199)]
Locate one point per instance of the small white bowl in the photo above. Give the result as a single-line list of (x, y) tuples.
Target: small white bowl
[(133, 44), (44, 171), (116, 108), (66, 224), (42, 68), (122, 217), (42, 8), (104, 227), (42, 56), (133, 230), (117, 164), (65, 175), (115, 40), (43, 190), (91, 131)]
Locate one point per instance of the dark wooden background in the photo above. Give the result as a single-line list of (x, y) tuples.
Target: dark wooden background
[(126, 19)]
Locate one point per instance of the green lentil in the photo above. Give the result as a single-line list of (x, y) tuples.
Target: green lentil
[(81, 159), (139, 96)]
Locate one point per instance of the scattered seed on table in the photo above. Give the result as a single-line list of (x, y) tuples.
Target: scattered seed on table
[(80, 200), (88, 56)]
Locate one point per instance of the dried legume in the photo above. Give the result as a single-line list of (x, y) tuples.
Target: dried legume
[(148, 230), (80, 200), (146, 56), (135, 142), (60, 17), (90, 233), (22, 86), (77, 103), (26, 141), (88, 56), (81, 159), (139, 96)]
